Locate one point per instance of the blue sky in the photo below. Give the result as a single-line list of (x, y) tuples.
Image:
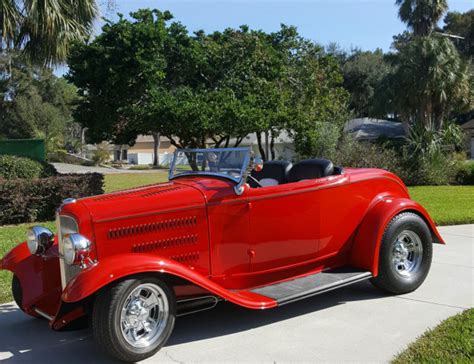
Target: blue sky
[(366, 24)]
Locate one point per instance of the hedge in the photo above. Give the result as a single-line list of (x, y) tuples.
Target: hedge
[(28, 200), (12, 166)]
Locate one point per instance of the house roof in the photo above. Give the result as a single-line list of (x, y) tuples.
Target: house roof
[(251, 139), (468, 125), (148, 139), (371, 129)]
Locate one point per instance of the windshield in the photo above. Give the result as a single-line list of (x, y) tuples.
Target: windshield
[(223, 162)]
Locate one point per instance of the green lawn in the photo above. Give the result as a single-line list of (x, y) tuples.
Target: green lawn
[(452, 341), (447, 205), (122, 181)]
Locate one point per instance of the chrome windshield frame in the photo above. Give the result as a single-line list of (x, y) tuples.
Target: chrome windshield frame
[(238, 180)]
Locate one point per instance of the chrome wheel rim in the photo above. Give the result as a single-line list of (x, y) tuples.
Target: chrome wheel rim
[(144, 315), (407, 253)]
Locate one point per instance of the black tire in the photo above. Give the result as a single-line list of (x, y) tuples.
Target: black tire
[(389, 278), (106, 322), (17, 292)]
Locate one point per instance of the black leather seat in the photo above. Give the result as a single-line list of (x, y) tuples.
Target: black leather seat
[(273, 173), (310, 169)]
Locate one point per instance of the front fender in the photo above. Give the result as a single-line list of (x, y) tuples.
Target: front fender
[(366, 247), (119, 266), (38, 275)]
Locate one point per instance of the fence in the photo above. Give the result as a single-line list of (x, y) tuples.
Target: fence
[(32, 148)]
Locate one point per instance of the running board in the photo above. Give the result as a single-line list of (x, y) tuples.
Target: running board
[(311, 285)]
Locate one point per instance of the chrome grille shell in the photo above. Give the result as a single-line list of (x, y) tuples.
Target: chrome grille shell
[(66, 225)]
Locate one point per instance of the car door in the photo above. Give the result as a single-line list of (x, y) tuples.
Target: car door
[(284, 225)]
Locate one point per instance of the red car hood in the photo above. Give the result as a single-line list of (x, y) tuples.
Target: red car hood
[(146, 200)]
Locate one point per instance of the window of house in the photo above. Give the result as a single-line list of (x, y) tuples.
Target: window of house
[(117, 155), (124, 154)]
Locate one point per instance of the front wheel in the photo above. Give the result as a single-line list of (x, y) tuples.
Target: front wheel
[(405, 256), (134, 318)]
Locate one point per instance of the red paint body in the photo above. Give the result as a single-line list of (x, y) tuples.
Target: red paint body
[(200, 230)]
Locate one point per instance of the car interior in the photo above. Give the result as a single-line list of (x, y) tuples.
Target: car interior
[(280, 172)]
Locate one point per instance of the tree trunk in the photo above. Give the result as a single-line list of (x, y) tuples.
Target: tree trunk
[(260, 146), (156, 149), (267, 145), (272, 147)]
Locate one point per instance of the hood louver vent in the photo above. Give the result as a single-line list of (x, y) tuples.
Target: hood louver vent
[(126, 231), (186, 258), (165, 243)]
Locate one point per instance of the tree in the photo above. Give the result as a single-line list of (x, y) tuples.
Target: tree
[(34, 103), (148, 75), (363, 74), (430, 81), (421, 16), (461, 25), (45, 30)]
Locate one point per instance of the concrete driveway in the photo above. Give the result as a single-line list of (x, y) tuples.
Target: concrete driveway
[(356, 323)]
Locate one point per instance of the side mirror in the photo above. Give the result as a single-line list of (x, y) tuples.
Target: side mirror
[(257, 164)]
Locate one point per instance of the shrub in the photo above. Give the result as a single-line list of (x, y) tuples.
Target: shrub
[(101, 154), (465, 173), (20, 167), (27, 200), (413, 167), (352, 153)]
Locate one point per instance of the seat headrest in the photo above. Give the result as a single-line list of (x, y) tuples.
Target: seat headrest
[(310, 169), (277, 170)]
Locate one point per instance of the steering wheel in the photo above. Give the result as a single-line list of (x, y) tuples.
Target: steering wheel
[(254, 180)]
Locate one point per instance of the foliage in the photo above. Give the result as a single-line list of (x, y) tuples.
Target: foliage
[(27, 200), (430, 82), (101, 155), (20, 167), (449, 342), (465, 172), (421, 15), (351, 153), (44, 30), (364, 73), (461, 24), (35, 104), (204, 88)]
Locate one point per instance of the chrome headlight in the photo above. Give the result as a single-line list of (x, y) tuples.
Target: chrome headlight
[(39, 239), (76, 248)]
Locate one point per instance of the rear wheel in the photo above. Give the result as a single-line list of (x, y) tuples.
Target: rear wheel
[(405, 254), (134, 318)]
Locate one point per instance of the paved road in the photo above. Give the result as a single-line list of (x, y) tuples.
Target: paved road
[(356, 323), (75, 168)]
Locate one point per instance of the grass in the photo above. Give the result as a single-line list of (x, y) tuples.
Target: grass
[(447, 205), (452, 341), (122, 181)]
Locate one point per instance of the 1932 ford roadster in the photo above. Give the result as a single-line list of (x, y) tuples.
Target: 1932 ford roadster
[(224, 228)]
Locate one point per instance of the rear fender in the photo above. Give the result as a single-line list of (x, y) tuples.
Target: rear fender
[(366, 247), (115, 267)]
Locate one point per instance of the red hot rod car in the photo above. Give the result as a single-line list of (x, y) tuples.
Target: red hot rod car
[(222, 228)]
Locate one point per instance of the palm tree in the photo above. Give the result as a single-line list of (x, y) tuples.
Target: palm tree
[(45, 29), (431, 80), (421, 15)]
